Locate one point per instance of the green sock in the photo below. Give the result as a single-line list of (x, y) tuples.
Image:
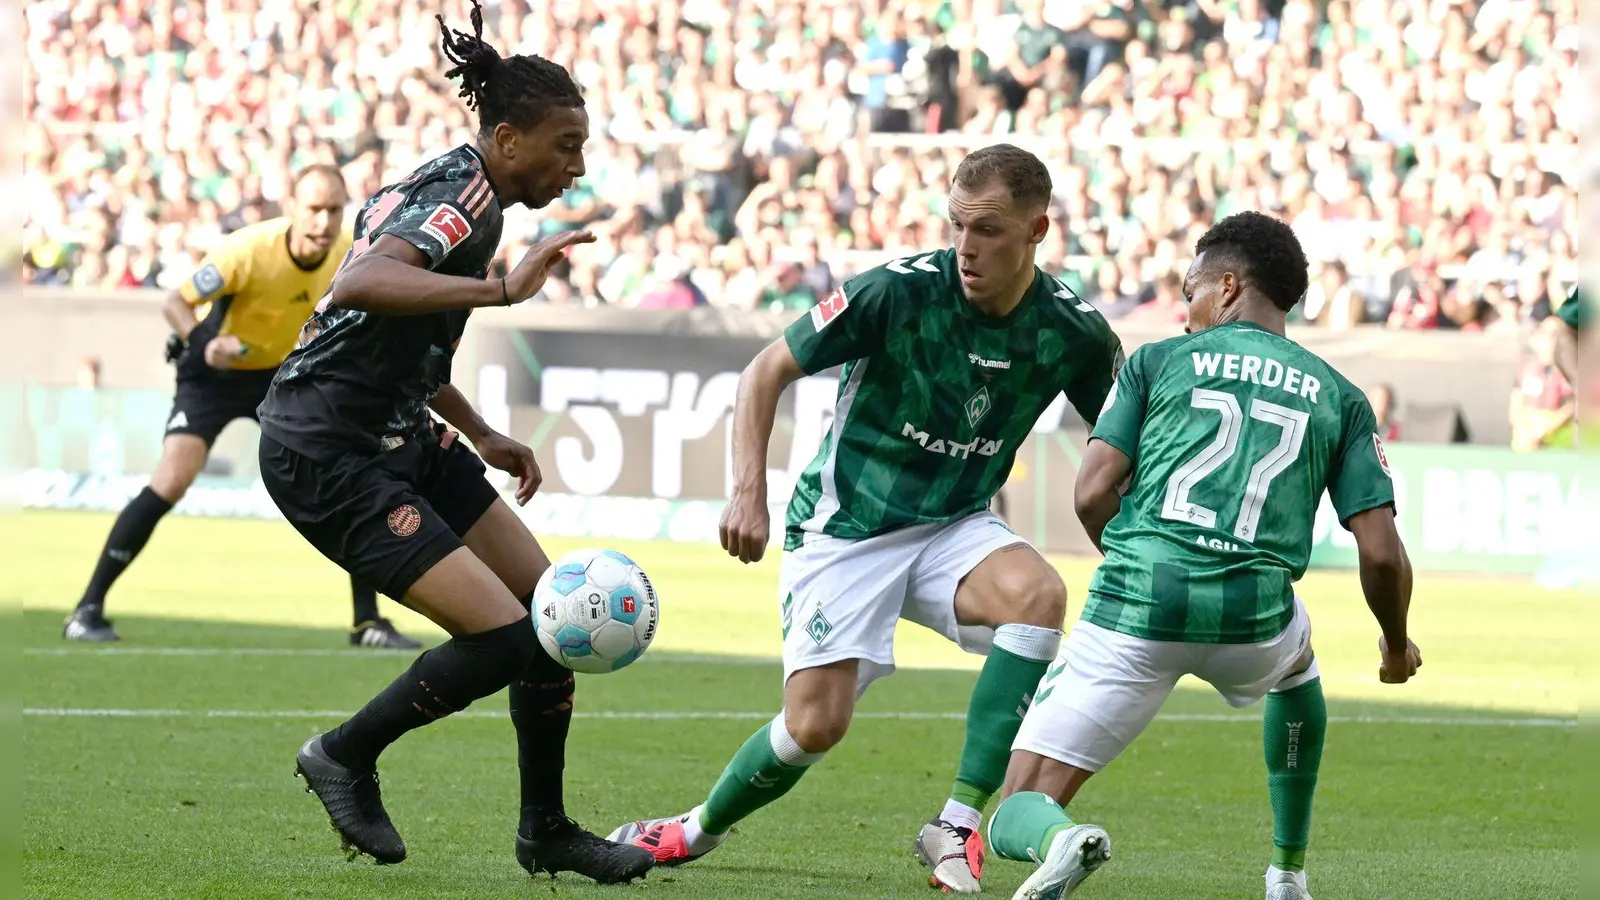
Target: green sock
[(999, 701), (1024, 825), (754, 777), (1292, 732)]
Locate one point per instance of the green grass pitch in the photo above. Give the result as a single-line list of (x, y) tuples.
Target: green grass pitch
[(163, 767)]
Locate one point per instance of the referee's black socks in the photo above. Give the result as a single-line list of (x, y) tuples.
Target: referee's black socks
[(132, 531), (364, 603), (441, 681)]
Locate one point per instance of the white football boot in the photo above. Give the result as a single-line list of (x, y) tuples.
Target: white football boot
[(1285, 886), (1072, 856), (953, 854)]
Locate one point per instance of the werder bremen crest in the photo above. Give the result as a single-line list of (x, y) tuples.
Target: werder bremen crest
[(978, 406)]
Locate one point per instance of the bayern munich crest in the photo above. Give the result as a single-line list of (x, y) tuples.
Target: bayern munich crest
[(404, 520)]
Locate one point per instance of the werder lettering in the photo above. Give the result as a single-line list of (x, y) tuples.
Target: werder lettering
[(1257, 370), (951, 447)]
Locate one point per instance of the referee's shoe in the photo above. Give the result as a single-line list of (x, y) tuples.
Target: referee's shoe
[(380, 634)]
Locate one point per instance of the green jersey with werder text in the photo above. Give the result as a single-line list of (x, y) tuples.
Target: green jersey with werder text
[(935, 397), (1234, 433)]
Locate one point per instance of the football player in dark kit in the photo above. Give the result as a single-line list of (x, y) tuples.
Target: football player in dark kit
[(351, 456)]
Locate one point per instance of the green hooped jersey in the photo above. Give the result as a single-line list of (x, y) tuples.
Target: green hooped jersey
[(1235, 433), (934, 396)]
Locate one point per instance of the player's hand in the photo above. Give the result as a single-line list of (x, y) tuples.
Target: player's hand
[(746, 525), (223, 351), (528, 277), (1398, 666), (510, 456)]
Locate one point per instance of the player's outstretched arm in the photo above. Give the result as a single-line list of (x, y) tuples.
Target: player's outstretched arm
[(392, 278), (1386, 581), (746, 524), (1098, 494)]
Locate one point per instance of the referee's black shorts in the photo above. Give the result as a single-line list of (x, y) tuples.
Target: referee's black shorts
[(385, 518), (204, 403)]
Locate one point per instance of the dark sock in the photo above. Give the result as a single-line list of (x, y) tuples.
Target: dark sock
[(541, 711), (365, 601), (441, 681), (133, 528)]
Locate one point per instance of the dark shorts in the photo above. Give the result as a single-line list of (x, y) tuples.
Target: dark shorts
[(386, 518), (204, 406)]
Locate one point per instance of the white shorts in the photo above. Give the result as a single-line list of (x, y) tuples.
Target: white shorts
[(1105, 687), (840, 598)]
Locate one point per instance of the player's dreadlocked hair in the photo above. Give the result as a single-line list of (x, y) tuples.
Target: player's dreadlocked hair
[(517, 91), (1264, 250)]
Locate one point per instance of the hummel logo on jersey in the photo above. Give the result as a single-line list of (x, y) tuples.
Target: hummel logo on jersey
[(179, 420), (951, 447), (979, 361)]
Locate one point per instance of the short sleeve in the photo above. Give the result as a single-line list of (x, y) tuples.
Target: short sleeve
[(1361, 478), (1121, 417), (847, 324), (1091, 386), (439, 217), (223, 271)]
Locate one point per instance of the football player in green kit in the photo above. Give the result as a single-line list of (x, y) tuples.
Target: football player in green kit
[(948, 359), (1230, 435)]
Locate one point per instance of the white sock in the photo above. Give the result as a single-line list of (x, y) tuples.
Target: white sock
[(1028, 641), (697, 838), (1274, 873), (961, 815)]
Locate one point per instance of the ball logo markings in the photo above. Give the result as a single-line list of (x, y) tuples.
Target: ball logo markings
[(404, 520)]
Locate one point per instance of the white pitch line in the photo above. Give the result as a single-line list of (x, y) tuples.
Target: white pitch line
[(665, 656), (684, 715)]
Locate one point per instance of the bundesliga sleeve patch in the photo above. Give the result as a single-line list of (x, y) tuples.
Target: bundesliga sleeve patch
[(1383, 458), (829, 309), (208, 280), (447, 226)]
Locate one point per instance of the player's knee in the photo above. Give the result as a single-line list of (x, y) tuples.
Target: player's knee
[(1033, 597), (180, 464), (511, 650), (817, 728)]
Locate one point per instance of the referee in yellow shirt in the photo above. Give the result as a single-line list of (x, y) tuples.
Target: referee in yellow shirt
[(234, 321)]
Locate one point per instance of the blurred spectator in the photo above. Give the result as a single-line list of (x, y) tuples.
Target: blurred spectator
[(1424, 150), (1381, 396), (1542, 402)]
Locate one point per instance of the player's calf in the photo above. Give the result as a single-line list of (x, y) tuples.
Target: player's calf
[(1022, 597), (818, 704)]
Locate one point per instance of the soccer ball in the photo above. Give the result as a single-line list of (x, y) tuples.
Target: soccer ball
[(595, 611)]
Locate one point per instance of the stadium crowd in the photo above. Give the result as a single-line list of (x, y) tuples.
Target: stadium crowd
[(754, 154)]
